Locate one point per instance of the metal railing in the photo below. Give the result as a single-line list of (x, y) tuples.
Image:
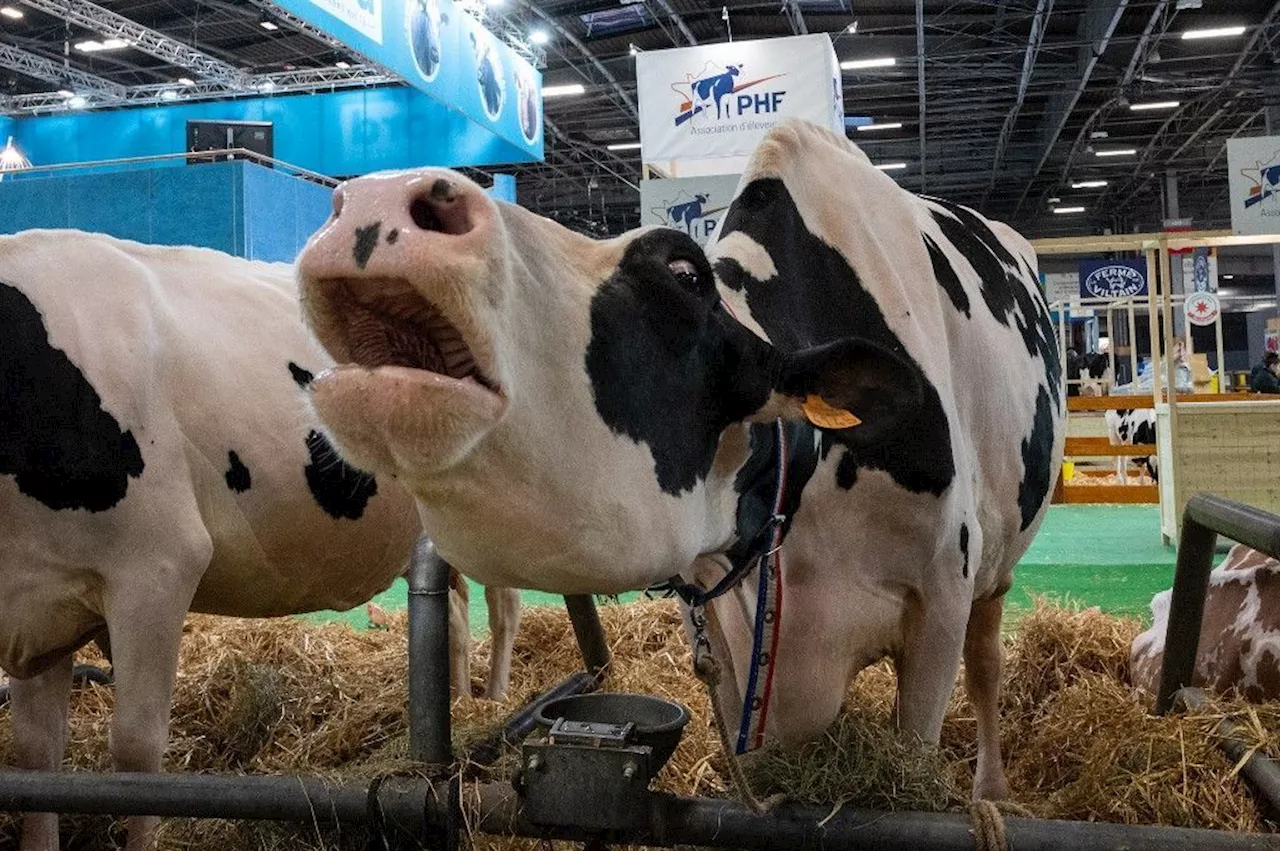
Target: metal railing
[(194, 157)]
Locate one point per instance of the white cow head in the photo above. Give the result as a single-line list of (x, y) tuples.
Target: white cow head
[(567, 411)]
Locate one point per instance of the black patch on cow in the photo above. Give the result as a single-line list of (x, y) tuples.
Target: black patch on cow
[(757, 483), (1122, 428), (1006, 286), (57, 442), (366, 241), (392, 236), (817, 298), (301, 377), (1037, 457), (964, 548), (338, 488), (947, 277), (238, 478), (668, 368)]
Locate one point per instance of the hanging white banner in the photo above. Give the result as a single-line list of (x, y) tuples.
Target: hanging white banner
[(694, 205), (719, 100), (1253, 175)]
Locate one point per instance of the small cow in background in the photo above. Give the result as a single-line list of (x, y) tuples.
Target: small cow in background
[(1088, 374), (157, 457), (1240, 636), (1132, 428)]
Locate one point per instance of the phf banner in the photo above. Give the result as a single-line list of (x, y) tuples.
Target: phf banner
[(719, 100), (694, 205), (1253, 178), (1113, 279)]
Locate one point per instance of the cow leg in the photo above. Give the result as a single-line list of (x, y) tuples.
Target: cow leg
[(459, 637), (927, 668), (983, 664), (146, 631), (504, 622), (39, 709)]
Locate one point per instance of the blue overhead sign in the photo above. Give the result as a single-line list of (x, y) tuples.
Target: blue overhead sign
[(1113, 278), (445, 53)]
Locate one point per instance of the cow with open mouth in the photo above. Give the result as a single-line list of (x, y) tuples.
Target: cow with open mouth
[(853, 405)]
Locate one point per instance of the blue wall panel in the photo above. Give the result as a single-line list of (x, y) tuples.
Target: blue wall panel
[(200, 205), (340, 133), (111, 203), (280, 213), (31, 203), (6, 129)]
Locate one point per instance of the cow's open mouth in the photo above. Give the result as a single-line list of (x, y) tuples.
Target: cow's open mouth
[(388, 323)]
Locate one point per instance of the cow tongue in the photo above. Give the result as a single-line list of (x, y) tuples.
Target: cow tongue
[(408, 331)]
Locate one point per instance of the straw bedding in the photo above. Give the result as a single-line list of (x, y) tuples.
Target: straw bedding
[(281, 697)]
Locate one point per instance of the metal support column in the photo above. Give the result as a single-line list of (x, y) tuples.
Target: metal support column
[(429, 734), (589, 632)]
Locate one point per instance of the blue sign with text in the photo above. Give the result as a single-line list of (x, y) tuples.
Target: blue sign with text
[(1113, 278), (446, 53)]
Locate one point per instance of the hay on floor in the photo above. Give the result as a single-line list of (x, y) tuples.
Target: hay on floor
[(282, 697)]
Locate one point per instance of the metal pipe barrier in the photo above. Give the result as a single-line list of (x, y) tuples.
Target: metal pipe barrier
[(429, 716), (189, 157), (404, 807), (1206, 516), (1258, 769)]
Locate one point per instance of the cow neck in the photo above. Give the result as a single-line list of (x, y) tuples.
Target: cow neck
[(782, 460)]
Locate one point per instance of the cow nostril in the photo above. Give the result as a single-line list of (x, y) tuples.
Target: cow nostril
[(424, 215), (337, 203)]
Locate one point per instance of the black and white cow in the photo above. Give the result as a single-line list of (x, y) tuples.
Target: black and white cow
[(1132, 428), (157, 456), (581, 416)]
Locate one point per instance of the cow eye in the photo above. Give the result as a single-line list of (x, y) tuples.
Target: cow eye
[(686, 273)]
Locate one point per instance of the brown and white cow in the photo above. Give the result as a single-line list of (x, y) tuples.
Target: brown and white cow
[(1239, 637), (584, 416), (157, 456)]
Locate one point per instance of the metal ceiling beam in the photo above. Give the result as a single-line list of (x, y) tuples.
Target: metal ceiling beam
[(1097, 26), (105, 22), (924, 179), (58, 73), (628, 102), (279, 83), (678, 21), (795, 17), (1039, 22)]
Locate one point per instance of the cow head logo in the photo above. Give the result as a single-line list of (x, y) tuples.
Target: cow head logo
[(489, 79), (423, 21), (716, 93), (1265, 178), (691, 214), (527, 103)]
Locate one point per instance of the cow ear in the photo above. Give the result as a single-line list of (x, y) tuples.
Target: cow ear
[(851, 386)]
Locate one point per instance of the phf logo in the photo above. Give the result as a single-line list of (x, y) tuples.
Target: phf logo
[(1266, 181), (690, 214), (717, 91)]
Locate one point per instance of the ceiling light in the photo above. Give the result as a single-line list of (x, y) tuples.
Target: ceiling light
[(92, 46), (890, 166), (1054, 200), (539, 37), (10, 12), (186, 81), (168, 94), (66, 93), (1089, 184), (268, 25), (633, 49), (266, 85), (114, 44), (879, 62), (341, 64), (1162, 104), (623, 146), (1116, 152), (892, 125), (77, 102), (88, 46), (852, 29), (1228, 277), (558, 91), (1213, 32), (1065, 210)]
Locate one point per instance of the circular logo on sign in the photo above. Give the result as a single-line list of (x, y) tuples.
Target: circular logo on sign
[(422, 20), (1114, 282), (1202, 308), (527, 103), (493, 88)]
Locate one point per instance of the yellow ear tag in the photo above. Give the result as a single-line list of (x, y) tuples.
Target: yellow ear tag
[(823, 415)]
